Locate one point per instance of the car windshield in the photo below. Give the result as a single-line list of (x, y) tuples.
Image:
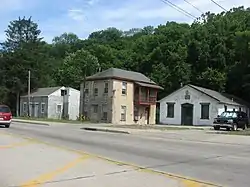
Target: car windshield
[(228, 114), (4, 109)]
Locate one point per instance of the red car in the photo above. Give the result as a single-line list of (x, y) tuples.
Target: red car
[(5, 116)]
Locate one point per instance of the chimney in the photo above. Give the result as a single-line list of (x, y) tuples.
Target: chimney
[(232, 99), (181, 84)]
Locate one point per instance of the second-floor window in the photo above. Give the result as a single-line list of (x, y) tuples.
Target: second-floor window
[(124, 88), (106, 87)]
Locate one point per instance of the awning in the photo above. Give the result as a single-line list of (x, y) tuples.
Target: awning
[(149, 85)]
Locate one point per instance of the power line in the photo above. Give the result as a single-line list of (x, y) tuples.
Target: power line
[(179, 9), (219, 5), (194, 6)]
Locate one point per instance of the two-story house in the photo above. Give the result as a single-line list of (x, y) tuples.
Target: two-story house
[(120, 97)]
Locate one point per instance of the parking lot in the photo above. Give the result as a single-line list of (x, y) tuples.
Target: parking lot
[(27, 162)]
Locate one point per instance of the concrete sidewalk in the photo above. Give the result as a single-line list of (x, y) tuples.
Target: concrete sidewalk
[(54, 166), (105, 127)]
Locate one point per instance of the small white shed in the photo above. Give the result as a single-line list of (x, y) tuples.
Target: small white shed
[(193, 105)]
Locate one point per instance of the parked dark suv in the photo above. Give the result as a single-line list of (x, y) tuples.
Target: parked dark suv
[(231, 120)]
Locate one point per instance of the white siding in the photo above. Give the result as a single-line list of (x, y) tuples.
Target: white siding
[(58, 92), (74, 103), (221, 108), (53, 101), (196, 98)]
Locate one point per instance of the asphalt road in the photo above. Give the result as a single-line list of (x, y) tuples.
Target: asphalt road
[(219, 163)]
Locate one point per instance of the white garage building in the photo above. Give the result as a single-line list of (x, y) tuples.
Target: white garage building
[(193, 105)]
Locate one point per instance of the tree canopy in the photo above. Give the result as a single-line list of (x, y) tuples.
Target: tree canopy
[(213, 52)]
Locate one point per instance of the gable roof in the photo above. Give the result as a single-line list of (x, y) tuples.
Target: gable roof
[(121, 74), (43, 91), (221, 97)]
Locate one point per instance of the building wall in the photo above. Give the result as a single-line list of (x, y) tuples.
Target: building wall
[(35, 104), (221, 108), (73, 100), (103, 101), (53, 105), (120, 100), (195, 98)]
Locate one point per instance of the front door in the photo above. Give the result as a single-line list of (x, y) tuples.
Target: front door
[(187, 114), (147, 115)]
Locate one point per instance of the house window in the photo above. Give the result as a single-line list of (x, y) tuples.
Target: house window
[(123, 113), (86, 91), (124, 88), (63, 92), (170, 110), (59, 108), (205, 110), (106, 87), (95, 108), (42, 107), (24, 107), (105, 115), (96, 92)]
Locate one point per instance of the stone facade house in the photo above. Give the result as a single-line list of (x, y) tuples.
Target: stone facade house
[(120, 97)]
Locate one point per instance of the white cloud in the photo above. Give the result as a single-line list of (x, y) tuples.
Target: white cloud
[(92, 2), (76, 14)]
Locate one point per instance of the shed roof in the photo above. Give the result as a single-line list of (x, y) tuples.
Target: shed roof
[(43, 91), (221, 97)]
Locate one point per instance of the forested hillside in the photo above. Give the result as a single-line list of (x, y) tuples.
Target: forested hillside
[(213, 52)]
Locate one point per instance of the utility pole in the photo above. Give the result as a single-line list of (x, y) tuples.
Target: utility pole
[(29, 94)]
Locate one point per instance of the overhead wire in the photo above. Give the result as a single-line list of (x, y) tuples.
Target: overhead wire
[(219, 5), (194, 6), (179, 9)]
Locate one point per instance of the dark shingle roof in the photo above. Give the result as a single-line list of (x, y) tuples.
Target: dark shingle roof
[(43, 91), (122, 74), (221, 97)]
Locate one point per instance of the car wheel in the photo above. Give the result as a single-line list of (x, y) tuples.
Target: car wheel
[(7, 126), (235, 127), (245, 127), (217, 128)]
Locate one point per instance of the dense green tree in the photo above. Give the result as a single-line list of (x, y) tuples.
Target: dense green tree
[(76, 66), (213, 51)]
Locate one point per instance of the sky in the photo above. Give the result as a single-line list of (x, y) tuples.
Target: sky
[(83, 17)]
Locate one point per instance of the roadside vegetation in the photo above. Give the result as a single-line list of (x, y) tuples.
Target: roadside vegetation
[(212, 52)]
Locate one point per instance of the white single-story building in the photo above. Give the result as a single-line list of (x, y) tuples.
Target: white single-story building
[(193, 105)]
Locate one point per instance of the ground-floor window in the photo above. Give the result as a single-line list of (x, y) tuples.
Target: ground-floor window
[(205, 110), (170, 110), (95, 109), (123, 113)]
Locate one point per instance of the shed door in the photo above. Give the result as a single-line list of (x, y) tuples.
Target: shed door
[(187, 114)]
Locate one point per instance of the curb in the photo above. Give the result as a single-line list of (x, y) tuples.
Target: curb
[(31, 122), (104, 130)]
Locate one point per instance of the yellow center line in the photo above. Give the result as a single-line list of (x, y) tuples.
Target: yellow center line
[(49, 176), (15, 145)]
